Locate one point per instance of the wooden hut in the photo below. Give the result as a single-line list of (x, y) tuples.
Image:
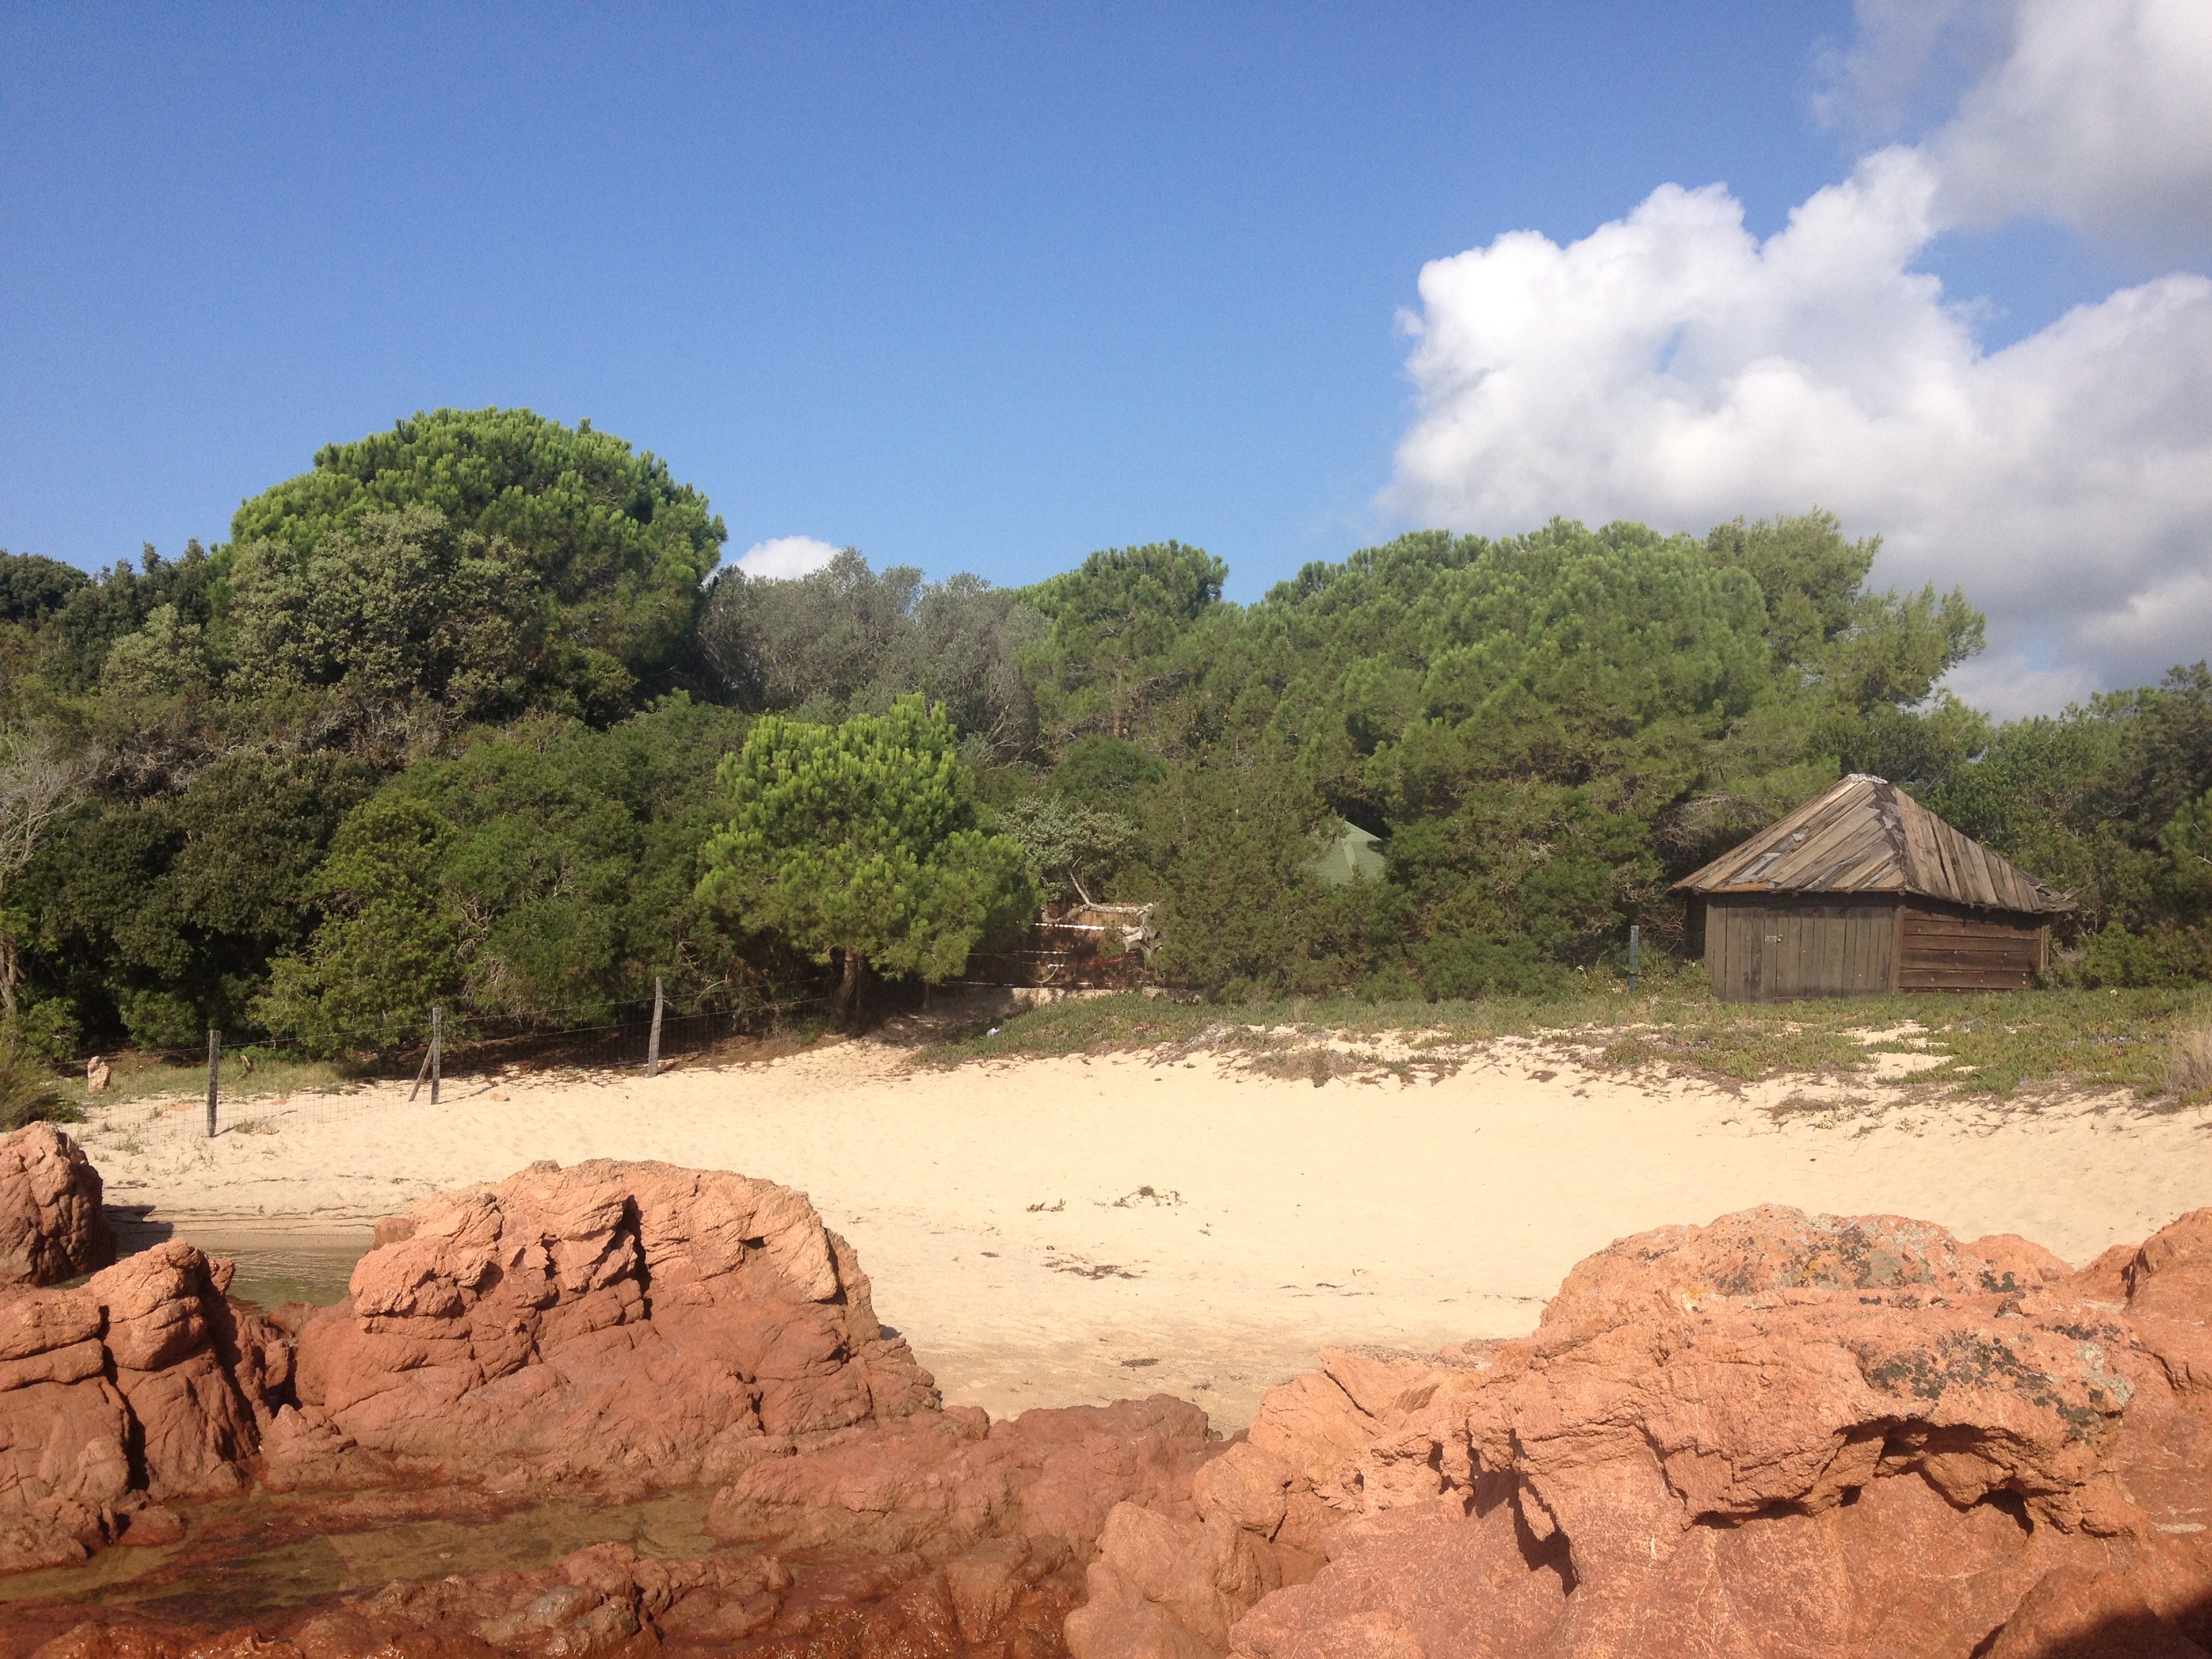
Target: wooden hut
[(1865, 890)]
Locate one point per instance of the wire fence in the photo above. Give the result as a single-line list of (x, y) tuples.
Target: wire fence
[(248, 1092)]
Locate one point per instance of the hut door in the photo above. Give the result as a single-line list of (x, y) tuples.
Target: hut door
[(1759, 969), (1766, 931), (1745, 957)]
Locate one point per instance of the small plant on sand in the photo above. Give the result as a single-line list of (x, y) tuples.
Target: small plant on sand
[(2189, 1061), (27, 1092)]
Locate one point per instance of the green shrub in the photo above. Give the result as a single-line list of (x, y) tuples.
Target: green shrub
[(28, 1094), (50, 1031), (2116, 959)]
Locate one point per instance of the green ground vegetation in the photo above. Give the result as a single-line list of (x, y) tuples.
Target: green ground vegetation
[(2147, 1041)]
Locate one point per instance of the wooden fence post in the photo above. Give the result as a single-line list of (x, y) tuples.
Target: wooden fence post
[(421, 1072), (437, 1047), (1635, 941), (652, 1042), (215, 1068)]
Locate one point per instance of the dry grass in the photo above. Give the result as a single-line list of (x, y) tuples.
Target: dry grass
[(2189, 1061), (153, 1077)]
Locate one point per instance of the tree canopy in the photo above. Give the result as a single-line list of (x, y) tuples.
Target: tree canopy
[(619, 546), (859, 840), (465, 715)]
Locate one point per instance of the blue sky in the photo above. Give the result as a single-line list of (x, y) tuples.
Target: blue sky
[(976, 286)]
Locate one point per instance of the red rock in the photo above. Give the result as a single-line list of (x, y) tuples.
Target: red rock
[(145, 1380), (1449, 1581), (611, 1319), (940, 1482), (2077, 1612), (92, 1640), (152, 1527), (50, 1227), (2170, 1276), (1778, 1435)]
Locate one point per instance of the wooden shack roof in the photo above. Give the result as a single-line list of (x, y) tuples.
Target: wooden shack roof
[(1867, 835)]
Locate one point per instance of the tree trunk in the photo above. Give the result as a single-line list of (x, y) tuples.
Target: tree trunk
[(845, 1000)]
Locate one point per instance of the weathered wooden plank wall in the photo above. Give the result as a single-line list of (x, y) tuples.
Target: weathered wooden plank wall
[(1763, 952), (1951, 948)]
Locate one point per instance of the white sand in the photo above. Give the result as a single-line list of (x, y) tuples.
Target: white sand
[(1289, 1216)]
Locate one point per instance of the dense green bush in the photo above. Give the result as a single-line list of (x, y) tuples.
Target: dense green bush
[(28, 1094), (539, 877)]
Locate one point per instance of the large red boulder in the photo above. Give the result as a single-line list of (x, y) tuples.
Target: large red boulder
[(667, 1326), (1780, 1434), (51, 1227), (145, 1385)]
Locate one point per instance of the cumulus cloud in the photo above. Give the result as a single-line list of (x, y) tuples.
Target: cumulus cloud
[(2097, 116), (1670, 367), (786, 556)]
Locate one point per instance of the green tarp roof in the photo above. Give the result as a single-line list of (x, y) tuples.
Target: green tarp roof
[(1355, 855)]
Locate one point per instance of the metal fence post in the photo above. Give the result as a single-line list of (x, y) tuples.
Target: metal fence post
[(652, 1042), (215, 1068), (1635, 940), (437, 1049)]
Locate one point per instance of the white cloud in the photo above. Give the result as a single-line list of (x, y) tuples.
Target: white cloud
[(786, 556), (1908, 58), (2095, 115), (1672, 368)]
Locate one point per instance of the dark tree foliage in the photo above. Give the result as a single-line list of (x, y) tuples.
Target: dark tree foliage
[(537, 877), (2113, 801), (32, 587), (616, 543), (1544, 730), (393, 622), (157, 918), (1106, 774), (1231, 841), (1116, 620), (119, 604)]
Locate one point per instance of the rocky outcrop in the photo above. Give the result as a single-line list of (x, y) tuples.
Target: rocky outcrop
[(145, 1386), (1780, 1434), (630, 1323), (940, 1534), (668, 1327), (599, 1331), (51, 1227)]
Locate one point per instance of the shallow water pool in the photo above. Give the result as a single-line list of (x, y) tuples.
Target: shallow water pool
[(277, 1262)]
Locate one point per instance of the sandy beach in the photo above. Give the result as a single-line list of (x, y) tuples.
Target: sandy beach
[(1048, 1231)]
